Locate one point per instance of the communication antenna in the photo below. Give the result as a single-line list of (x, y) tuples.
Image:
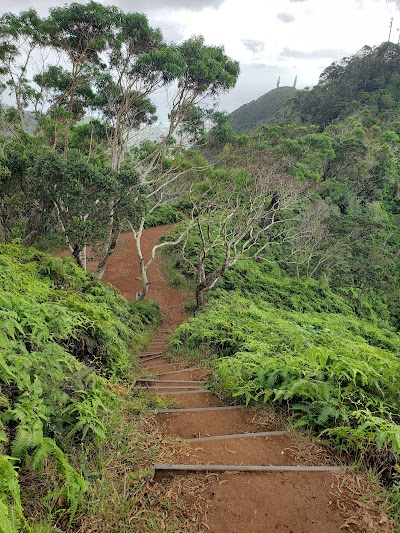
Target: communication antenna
[(390, 28), (398, 40), (295, 80), (278, 82)]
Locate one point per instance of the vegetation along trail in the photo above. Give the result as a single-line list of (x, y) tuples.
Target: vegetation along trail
[(296, 500)]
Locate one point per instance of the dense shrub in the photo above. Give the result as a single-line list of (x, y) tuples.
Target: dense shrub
[(62, 336), (335, 372)]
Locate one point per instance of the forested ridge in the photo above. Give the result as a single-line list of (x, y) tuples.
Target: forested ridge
[(261, 111), (288, 238)]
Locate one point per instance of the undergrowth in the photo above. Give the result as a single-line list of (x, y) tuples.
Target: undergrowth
[(165, 214), (64, 339), (336, 374), (122, 496)]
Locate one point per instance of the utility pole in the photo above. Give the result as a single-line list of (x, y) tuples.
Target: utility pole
[(390, 28)]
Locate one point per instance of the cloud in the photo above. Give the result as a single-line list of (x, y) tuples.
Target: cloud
[(329, 53), (171, 31), (142, 6), (298, 0), (254, 45), (22, 5), (285, 17), (151, 5)]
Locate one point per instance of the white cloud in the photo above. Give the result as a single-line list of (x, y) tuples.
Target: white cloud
[(257, 33), (254, 45), (326, 53), (285, 17)]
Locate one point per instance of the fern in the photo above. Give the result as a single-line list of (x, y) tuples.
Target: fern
[(62, 335), (331, 371), (30, 412), (8, 524), (11, 512), (73, 485)]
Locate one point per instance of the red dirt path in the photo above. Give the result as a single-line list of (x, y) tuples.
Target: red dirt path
[(289, 502), (123, 272)]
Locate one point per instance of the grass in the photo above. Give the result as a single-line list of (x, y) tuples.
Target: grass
[(122, 497)]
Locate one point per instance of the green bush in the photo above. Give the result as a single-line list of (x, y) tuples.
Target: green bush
[(335, 372), (62, 335), (165, 214)]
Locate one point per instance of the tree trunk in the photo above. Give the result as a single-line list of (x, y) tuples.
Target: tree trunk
[(114, 231), (201, 282), (141, 295), (4, 226), (83, 257), (77, 254), (142, 264), (200, 301)]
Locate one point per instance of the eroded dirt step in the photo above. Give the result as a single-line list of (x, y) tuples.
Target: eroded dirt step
[(258, 451), (193, 400), (168, 389), (208, 423), (160, 366), (173, 393), (182, 373), (152, 357), (163, 367), (196, 409), (156, 345), (276, 502), (161, 344)]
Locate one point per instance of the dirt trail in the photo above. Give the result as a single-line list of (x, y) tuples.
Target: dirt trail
[(281, 502)]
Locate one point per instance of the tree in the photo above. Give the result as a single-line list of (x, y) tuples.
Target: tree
[(165, 172), (80, 193), (237, 216), (171, 179), (110, 63), (308, 234), (20, 37)]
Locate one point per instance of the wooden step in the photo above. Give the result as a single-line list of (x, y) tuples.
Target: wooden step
[(175, 387), (144, 354), (144, 359), (167, 470), (194, 391), (146, 380)]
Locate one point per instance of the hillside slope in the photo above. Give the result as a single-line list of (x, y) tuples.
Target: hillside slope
[(260, 111)]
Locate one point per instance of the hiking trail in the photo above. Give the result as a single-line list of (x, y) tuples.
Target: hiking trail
[(288, 494)]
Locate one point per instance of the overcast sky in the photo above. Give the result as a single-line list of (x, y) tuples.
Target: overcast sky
[(269, 38)]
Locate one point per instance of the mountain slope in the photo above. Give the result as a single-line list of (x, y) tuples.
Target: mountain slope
[(260, 111)]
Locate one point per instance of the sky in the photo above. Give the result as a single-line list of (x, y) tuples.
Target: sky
[(270, 38)]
